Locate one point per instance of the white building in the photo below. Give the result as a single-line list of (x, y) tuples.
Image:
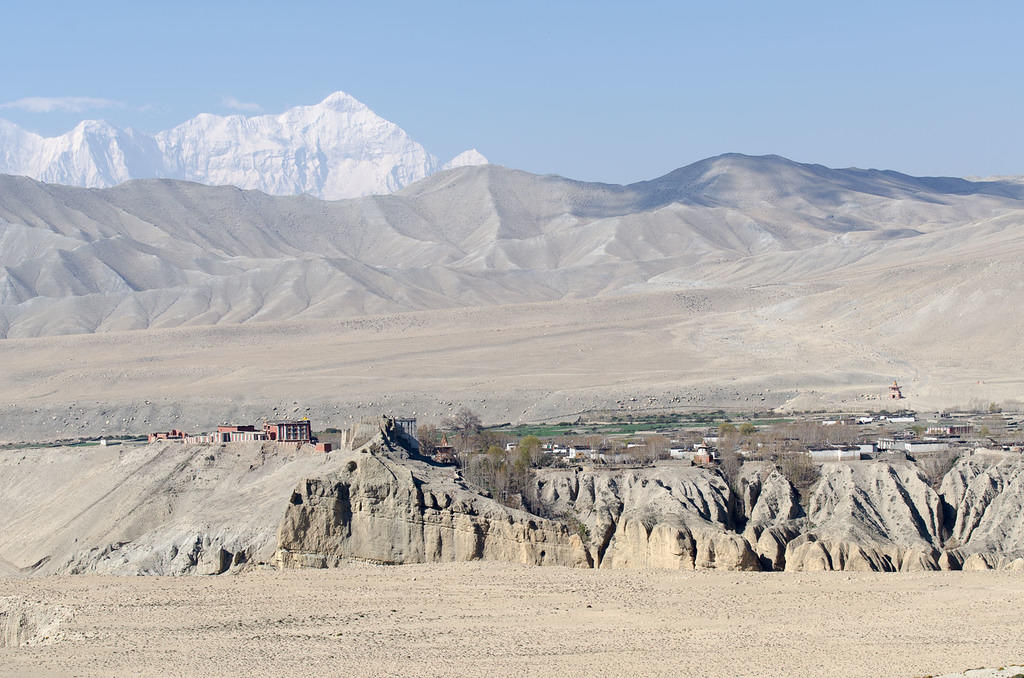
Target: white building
[(835, 454), (919, 446)]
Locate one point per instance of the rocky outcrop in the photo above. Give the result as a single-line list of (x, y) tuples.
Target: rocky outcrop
[(771, 512), (877, 516), (164, 509), (388, 509), (984, 501), (24, 622), (177, 509), (381, 505), (671, 516)]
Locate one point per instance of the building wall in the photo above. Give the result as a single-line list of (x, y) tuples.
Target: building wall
[(926, 447), (408, 426), (290, 431), (835, 455)]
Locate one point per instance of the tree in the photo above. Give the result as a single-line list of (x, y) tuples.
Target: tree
[(730, 462), (531, 447), (463, 420), (428, 437), (467, 435), (507, 476), (800, 470), (656, 447), (725, 428), (747, 429)]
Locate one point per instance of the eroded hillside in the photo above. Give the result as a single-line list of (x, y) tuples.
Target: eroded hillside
[(176, 509), (161, 253)]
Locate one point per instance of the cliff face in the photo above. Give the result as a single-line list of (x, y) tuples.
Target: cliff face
[(673, 516), (174, 509), (873, 516), (984, 502), (771, 508), (163, 509), (392, 510)]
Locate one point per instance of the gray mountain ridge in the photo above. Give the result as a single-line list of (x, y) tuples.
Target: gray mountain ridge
[(167, 253)]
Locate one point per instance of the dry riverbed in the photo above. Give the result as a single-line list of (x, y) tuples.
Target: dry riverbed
[(484, 619)]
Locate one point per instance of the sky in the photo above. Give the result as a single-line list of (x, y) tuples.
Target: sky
[(606, 91)]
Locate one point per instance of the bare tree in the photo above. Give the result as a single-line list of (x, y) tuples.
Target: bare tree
[(731, 463), (800, 470), (428, 437), (466, 434), (463, 420), (936, 465), (656, 447)]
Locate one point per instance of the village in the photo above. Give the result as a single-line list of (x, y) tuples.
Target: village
[(696, 438)]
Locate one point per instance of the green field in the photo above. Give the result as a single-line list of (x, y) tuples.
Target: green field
[(75, 442), (621, 425)]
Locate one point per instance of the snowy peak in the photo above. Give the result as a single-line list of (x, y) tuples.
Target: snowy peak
[(341, 101), (468, 158), (335, 149)]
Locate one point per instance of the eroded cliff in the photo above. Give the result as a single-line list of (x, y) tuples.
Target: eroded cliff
[(384, 507), (174, 509)]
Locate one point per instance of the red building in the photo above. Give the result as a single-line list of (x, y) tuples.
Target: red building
[(289, 431), (173, 434)]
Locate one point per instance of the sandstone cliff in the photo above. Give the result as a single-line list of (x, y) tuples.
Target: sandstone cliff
[(869, 516), (669, 516), (984, 502), (384, 507), (174, 509)]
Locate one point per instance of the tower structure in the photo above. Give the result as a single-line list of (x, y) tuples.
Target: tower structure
[(895, 391)]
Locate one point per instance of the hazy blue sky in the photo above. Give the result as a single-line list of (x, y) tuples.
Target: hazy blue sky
[(593, 90)]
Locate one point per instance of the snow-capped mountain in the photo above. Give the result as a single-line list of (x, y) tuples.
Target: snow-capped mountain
[(336, 149)]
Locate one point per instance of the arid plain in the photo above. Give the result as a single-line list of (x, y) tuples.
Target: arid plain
[(486, 619), (742, 349)]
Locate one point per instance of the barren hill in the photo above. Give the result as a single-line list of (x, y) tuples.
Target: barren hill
[(749, 281), (160, 253)]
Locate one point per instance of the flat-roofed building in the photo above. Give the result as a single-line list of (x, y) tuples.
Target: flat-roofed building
[(231, 433), (289, 431), (836, 453), (173, 434), (950, 430)]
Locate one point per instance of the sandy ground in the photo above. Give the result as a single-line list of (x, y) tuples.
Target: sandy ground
[(494, 620), (539, 362)]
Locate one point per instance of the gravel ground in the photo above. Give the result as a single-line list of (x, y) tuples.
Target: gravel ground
[(485, 619)]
